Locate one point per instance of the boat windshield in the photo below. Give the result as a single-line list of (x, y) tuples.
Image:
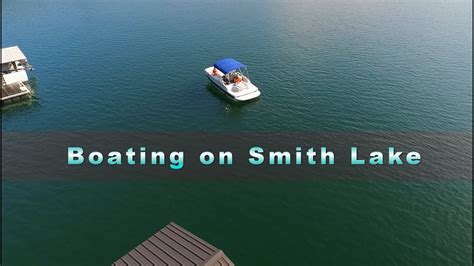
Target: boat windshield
[(236, 76), (241, 71)]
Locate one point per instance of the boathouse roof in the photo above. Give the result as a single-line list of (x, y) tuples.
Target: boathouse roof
[(12, 54), (228, 64), (173, 245)]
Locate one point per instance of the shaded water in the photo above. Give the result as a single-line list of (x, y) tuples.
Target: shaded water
[(321, 66)]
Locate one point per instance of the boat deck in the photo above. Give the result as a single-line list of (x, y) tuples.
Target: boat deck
[(15, 92)]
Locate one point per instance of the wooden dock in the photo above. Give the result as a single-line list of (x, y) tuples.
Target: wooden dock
[(15, 86), (173, 245), (15, 92)]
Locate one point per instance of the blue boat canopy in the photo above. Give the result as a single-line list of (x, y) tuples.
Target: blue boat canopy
[(227, 65)]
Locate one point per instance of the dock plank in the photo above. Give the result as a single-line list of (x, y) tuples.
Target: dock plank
[(177, 257), (129, 260), (162, 255), (182, 245), (151, 256), (192, 239), (139, 258)]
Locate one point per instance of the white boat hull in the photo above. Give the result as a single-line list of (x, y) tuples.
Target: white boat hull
[(244, 91)]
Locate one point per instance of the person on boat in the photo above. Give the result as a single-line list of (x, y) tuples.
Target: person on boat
[(225, 78), (237, 78)]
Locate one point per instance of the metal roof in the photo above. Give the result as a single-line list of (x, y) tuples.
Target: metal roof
[(12, 54), (19, 76), (173, 245)]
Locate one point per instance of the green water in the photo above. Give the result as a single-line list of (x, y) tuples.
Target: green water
[(321, 66), (256, 223), (325, 65)]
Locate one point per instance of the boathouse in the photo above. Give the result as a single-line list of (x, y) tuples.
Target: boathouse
[(173, 245), (15, 85)]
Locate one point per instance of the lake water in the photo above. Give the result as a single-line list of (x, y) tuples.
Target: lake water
[(321, 66)]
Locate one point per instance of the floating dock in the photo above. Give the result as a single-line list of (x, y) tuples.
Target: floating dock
[(173, 245), (15, 92), (15, 85)]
